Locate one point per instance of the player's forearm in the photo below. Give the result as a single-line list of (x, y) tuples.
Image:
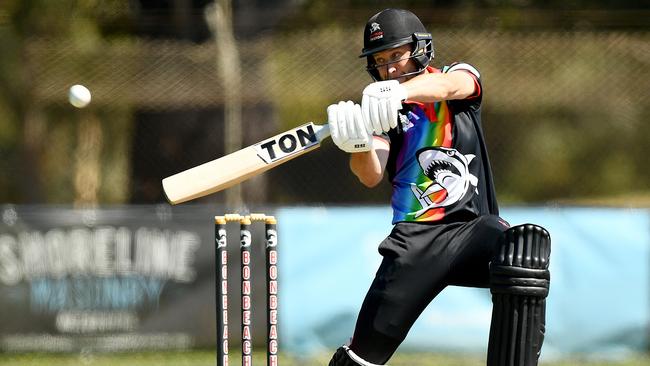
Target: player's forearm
[(367, 167), (427, 88)]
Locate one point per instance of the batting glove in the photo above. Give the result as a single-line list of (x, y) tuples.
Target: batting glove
[(347, 128), (380, 103)]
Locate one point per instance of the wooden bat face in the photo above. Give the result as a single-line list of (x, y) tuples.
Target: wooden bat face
[(219, 174)]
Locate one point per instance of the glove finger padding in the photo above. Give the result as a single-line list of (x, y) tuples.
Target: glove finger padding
[(375, 116), (371, 113), (365, 110), (359, 122), (381, 102), (342, 121), (386, 114), (332, 121), (348, 128), (350, 122)]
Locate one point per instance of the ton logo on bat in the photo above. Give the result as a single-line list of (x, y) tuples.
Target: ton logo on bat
[(292, 141)]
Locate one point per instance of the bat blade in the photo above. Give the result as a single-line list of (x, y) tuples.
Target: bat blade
[(234, 168)]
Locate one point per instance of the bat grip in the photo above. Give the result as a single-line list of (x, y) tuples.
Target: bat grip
[(322, 131)]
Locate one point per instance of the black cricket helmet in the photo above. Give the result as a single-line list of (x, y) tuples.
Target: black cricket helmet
[(392, 28)]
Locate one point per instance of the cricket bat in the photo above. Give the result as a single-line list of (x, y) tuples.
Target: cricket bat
[(234, 168)]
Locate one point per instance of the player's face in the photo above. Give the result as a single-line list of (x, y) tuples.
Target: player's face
[(394, 63)]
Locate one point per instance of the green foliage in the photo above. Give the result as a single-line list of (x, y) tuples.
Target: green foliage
[(564, 111), (68, 19), (37, 140)]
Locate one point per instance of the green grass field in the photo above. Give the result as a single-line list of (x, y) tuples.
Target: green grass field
[(207, 358)]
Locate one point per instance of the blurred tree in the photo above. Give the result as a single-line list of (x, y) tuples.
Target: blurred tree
[(82, 24), (496, 14), (566, 82)]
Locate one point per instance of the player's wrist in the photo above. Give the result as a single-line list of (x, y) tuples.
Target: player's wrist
[(363, 150), (359, 146)]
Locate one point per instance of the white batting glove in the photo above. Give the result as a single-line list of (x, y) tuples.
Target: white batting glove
[(347, 127), (380, 103)]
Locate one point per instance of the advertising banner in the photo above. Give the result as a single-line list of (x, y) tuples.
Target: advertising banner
[(598, 304), (107, 279)]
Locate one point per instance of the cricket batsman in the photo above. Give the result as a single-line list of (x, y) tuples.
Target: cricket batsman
[(421, 126)]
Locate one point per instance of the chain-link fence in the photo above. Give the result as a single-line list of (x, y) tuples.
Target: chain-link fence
[(565, 114)]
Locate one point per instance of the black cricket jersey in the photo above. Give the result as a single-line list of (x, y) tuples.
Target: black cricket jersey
[(438, 163)]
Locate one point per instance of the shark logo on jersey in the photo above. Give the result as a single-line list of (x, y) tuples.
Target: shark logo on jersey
[(448, 170)]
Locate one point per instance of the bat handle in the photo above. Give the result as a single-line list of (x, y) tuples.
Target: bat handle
[(322, 131)]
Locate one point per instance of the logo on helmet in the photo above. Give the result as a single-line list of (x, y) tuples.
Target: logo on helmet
[(375, 32)]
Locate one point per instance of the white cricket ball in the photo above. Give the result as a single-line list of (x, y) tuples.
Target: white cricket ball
[(79, 96)]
